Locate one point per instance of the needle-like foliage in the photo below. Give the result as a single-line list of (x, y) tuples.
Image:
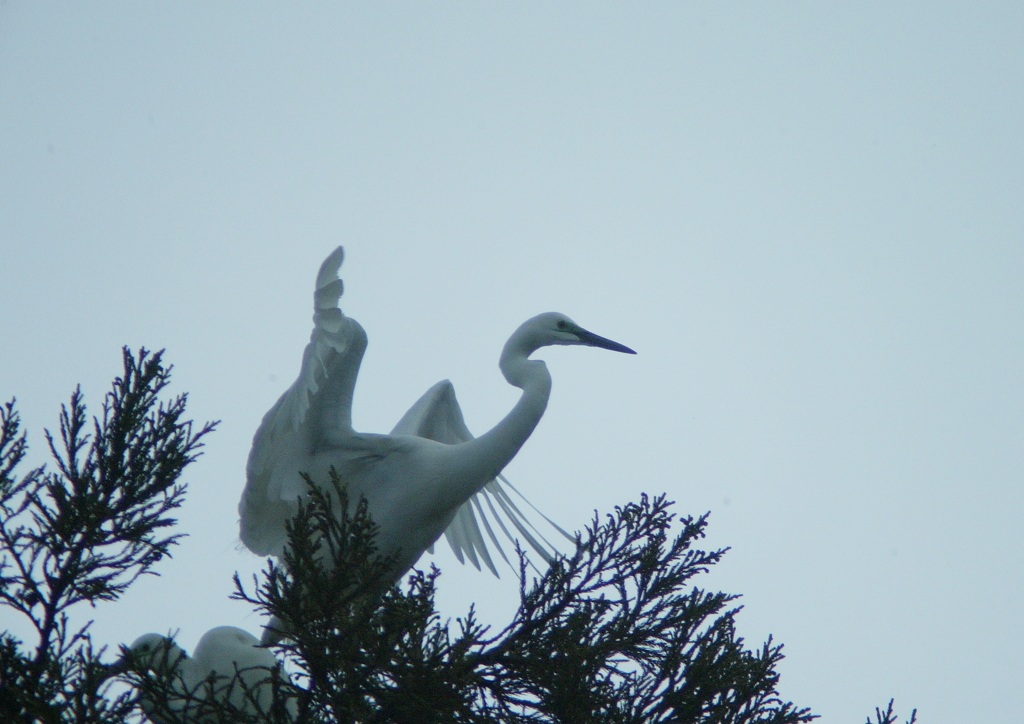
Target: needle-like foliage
[(238, 696), (615, 633), (83, 533), (889, 717)]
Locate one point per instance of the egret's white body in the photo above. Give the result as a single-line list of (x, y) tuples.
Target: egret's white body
[(424, 479), (242, 674)]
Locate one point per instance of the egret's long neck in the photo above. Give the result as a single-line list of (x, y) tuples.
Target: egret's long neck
[(486, 456), (532, 377)]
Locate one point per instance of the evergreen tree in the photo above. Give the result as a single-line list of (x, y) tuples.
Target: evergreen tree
[(617, 632), (83, 534), (889, 717)]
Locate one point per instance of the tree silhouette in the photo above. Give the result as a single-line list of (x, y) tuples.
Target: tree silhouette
[(617, 632), (83, 534), (614, 633)]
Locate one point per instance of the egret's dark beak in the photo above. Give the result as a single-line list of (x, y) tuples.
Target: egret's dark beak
[(592, 340)]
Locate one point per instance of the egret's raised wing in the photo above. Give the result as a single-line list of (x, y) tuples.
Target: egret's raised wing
[(437, 416), (314, 411)]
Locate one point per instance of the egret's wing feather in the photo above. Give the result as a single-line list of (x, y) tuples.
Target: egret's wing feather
[(460, 539), (511, 536), (437, 416), (464, 532), (500, 522), (571, 538), (490, 532), (520, 522), (315, 410)]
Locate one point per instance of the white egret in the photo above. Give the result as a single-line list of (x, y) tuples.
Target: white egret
[(229, 668), (424, 479)]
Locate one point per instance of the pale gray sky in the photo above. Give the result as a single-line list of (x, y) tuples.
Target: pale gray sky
[(806, 219)]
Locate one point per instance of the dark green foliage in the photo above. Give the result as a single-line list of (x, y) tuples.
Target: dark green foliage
[(84, 534), (615, 633), (888, 717), (230, 698)]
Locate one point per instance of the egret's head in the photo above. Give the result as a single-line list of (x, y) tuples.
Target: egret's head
[(556, 328), (155, 652)]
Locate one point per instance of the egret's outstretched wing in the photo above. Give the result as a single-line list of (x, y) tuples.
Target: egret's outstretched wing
[(314, 411), (437, 416)]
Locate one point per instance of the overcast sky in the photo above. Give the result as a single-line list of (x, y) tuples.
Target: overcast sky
[(807, 220)]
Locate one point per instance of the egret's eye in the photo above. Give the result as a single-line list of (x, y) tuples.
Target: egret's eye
[(562, 324)]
